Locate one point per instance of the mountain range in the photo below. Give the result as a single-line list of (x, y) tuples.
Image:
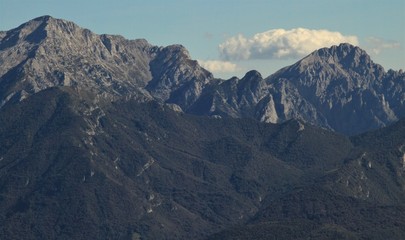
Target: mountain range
[(107, 138), (338, 88)]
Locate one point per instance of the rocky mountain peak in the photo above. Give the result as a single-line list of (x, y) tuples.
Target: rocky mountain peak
[(36, 30), (47, 52), (253, 74), (55, 24), (344, 56), (176, 50), (45, 20), (350, 56), (341, 50), (340, 82), (350, 65), (337, 87)]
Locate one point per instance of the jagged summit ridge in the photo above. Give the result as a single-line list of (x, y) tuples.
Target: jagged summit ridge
[(339, 88), (38, 29), (47, 52), (340, 59), (341, 82), (343, 53)]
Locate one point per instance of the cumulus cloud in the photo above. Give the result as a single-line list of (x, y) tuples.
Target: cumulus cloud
[(281, 44), (217, 66), (376, 45)]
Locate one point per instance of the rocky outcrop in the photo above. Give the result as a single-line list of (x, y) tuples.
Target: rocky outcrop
[(176, 78)]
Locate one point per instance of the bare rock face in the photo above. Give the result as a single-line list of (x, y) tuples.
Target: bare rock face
[(47, 52), (176, 78), (338, 88), (52, 52), (346, 87)]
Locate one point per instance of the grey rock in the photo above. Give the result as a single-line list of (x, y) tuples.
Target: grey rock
[(347, 88), (47, 52), (176, 78), (338, 88)]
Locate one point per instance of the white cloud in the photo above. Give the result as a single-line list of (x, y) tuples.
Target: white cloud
[(217, 66), (376, 45), (281, 43)]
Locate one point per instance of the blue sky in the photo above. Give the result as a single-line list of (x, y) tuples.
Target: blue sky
[(231, 37)]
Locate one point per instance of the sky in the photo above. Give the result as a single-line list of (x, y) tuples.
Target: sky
[(231, 37)]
